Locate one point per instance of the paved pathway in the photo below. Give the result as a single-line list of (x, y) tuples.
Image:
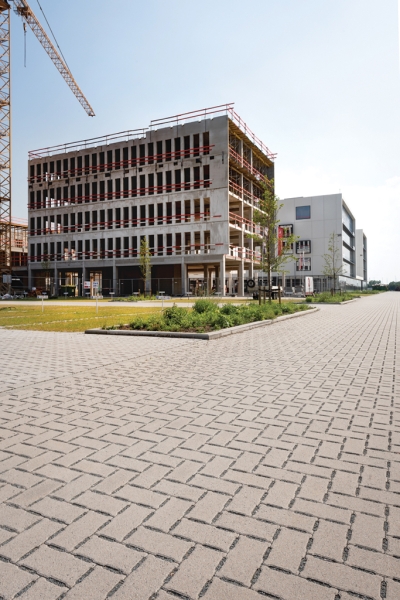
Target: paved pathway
[(260, 465)]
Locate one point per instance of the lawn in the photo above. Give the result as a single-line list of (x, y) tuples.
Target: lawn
[(69, 318)]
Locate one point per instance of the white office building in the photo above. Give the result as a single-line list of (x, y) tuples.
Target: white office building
[(314, 219)]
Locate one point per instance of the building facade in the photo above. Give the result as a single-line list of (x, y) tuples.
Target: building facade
[(187, 184), (314, 219)]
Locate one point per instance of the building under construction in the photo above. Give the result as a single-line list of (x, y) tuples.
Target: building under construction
[(18, 279), (187, 184)]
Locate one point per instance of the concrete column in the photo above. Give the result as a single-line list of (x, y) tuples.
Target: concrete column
[(115, 278), (222, 275), (205, 278), (183, 276), (30, 276), (241, 278)]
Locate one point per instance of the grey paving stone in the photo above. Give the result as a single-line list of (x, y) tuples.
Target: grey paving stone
[(297, 430)]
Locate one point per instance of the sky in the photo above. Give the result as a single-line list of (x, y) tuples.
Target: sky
[(317, 80)]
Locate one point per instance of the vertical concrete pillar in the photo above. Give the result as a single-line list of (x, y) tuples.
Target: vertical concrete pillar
[(115, 278), (30, 276), (183, 277), (240, 290), (222, 275)]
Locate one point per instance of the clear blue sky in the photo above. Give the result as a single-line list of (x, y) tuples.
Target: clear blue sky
[(317, 80)]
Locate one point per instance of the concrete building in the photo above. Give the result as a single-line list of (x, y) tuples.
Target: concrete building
[(188, 184), (19, 254), (314, 219)]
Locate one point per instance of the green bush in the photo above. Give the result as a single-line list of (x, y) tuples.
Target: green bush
[(203, 305), (206, 315)]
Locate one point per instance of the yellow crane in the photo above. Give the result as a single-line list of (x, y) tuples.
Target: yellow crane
[(22, 8)]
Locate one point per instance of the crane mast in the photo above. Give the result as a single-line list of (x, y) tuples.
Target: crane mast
[(22, 8)]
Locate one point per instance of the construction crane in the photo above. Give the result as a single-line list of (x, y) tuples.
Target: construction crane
[(22, 9)]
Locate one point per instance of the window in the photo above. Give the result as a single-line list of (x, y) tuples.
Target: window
[(102, 158), (126, 187), (94, 248), (187, 178), (159, 152), (110, 218), (178, 211), (160, 244), (134, 216), (178, 180), (118, 158), (126, 216), (134, 185), (206, 175), (109, 189), (87, 221), (94, 191), (110, 247), (87, 157), (177, 147), (151, 184), (143, 215), (118, 247), (169, 212), (159, 183), (133, 155), (94, 163), (87, 192), (196, 144), (206, 142), (196, 173), (178, 242), (169, 243), (142, 185), (303, 264), (169, 181), (303, 246), (73, 166), (134, 246), (151, 214), (118, 188), (160, 214), (94, 220), (102, 190), (303, 212), (186, 143), (168, 148), (109, 160), (117, 218), (151, 244), (125, 157), (150, 153), (142, 154), (126, 246), (102, 219)]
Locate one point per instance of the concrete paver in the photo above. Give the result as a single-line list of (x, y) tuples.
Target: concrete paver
[(266, 464)]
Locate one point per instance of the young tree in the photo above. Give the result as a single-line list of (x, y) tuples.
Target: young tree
[(145, 262), (277, 248), (333, 265)]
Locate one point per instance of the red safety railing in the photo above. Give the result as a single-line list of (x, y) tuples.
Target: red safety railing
[(238, 190), (59, 228), (68, 255), (243, 163), (121, 164), (243, 223), (121, 194)]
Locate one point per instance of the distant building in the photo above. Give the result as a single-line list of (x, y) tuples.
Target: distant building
[(19, 253), (188, 184), (314, 219)]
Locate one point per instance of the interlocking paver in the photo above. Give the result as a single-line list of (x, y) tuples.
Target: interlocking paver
[(244, 560), (96, 586), (145, 580), (60, 566), (285, 440), (195, 571), (110, 554)]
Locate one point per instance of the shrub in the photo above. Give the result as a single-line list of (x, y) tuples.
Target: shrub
[(203, 305)]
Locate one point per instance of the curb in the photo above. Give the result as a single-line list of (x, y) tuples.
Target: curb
[(337, 303), (213, 335)]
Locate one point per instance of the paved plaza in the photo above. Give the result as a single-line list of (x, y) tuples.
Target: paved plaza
[(261, 465)]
